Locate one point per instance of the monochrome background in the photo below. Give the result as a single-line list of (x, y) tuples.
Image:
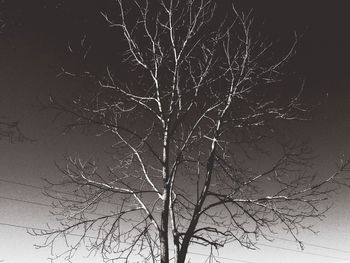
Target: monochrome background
[(34, 44)]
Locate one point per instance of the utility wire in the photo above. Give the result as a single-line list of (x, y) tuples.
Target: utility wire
[(302, 252), (24, 201), (49, 190), (266, 245), (260, 244), (39, 204), (311, 244), (71, 234), (192, 253)]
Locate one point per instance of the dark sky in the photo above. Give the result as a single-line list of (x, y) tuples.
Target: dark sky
[(323, 50), (33, 48), (36, 35), (324, 24), (43, 29)]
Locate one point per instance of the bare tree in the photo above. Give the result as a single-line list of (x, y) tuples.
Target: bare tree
[(11, 131), (8, 129), (197, 156)]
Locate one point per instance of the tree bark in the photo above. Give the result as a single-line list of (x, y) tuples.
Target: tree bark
[(164, 236)]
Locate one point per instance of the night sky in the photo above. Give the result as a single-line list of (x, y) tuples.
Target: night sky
[(34, 45)]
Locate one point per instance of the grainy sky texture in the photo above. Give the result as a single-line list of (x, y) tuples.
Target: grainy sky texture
[(34, 42)]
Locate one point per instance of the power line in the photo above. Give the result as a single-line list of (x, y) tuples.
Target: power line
[(194, 253), (311, 244), (22, 184), (266, 245), (61, 192), (302, 252), (71, 234), (39, 229), (24, 201), (39, 204), (43, 189)]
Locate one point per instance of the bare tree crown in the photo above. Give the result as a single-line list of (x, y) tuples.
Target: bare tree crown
[(206, 92)]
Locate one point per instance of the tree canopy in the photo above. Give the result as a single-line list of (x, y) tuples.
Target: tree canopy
[(195, 125)]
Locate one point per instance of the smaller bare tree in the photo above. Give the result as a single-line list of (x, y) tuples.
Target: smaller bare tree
[(11, 131)]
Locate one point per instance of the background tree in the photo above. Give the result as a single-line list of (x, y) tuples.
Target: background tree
[(193, 120), (8, 129)]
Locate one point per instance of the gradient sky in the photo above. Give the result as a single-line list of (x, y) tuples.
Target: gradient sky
[(33, 47)]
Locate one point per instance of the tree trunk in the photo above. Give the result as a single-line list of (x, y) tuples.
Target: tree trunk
[(164, 247), (181, 257), (163, 235)]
